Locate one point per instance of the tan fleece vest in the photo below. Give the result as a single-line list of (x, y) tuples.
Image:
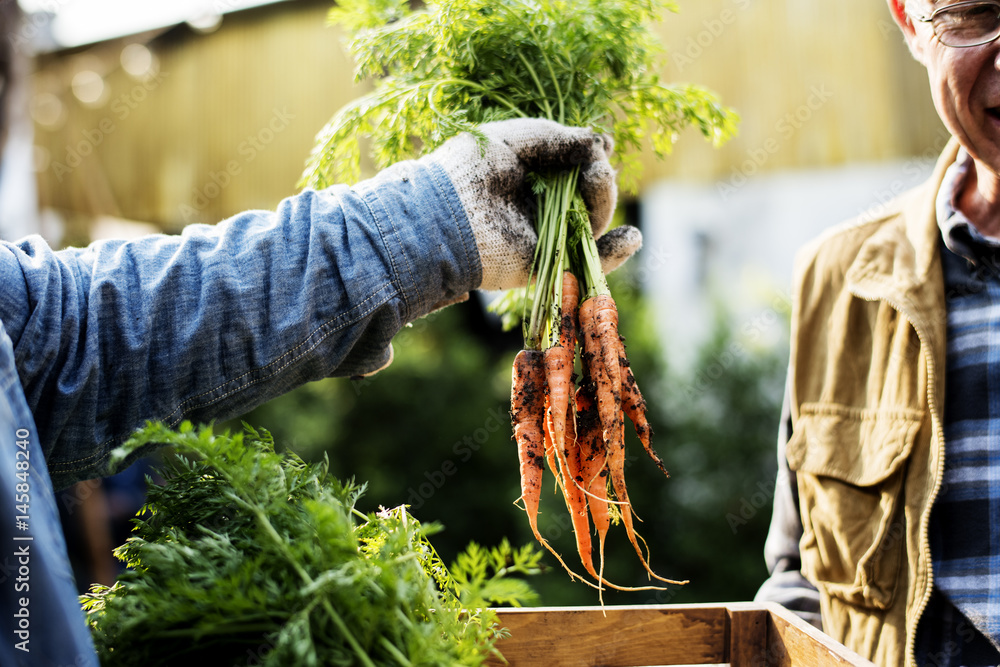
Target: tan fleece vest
[(867, 371)]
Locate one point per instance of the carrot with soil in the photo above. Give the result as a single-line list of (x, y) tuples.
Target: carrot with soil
[(527, 400), (559, 362), (603, 359), (634, 407), (608, 396), (576, 499), (593, 457), (599, 317), (527, 392)]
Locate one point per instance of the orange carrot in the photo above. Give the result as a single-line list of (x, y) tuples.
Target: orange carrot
[(593, 477), (602, 315), (576, 499), (580, 434), (561, 412), (616, 466), (550, 451), (607, 368), (559, 377), (569, 310), (595, 418), (593, 450), (634, 407), (527, 401), (590, 471), (608, 398), (559, 366)]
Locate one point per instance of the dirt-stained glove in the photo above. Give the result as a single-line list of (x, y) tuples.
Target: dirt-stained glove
[(494, 190)]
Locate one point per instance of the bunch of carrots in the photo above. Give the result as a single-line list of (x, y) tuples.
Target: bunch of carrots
[(451, 65), (576, 430)]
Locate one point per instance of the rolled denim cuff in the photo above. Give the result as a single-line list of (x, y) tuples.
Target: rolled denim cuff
[(426, 233)]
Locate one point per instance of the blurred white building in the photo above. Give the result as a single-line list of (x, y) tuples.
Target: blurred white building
[(732, 243)]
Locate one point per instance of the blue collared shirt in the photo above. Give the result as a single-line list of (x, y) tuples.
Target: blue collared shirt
[(961, 624), (201, 326)]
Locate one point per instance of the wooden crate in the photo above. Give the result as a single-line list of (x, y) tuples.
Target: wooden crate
[(736, 634)]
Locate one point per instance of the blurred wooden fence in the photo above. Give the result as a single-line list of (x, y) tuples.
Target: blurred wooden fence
[(224, 120), (816, 83), (223, 124)]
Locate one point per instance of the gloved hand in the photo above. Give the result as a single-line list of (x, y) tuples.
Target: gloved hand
[(497, 197)]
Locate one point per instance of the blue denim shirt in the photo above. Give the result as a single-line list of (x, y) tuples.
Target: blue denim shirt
[(202, 326)]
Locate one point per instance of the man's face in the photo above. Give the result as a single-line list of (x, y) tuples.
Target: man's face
[(965, 85)]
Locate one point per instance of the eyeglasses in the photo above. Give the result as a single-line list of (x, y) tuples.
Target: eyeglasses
[(965, 24)]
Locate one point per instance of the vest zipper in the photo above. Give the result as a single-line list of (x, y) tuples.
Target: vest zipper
[(936, 436)]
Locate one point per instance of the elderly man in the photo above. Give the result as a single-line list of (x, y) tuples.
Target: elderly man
[(886, 527)]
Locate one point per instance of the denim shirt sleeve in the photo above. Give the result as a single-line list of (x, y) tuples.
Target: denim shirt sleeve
[(209, 323)]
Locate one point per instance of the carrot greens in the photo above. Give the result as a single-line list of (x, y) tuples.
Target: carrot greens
[(455, 64), (247, 556)]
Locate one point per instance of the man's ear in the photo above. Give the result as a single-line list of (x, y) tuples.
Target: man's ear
[(898, 11), (905, 22)]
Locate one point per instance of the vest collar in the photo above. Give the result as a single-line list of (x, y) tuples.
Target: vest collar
[(900, 263)]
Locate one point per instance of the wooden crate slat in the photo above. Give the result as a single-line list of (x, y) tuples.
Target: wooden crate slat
[(748, 637), (615, 637), (738, 634), (792, 642)]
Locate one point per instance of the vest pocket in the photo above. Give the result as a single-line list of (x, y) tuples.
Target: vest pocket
[(850, 465)]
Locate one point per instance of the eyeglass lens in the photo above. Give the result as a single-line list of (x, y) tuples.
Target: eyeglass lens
[(967, 25)]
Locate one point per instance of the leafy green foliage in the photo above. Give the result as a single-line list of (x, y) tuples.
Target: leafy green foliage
[(718, 434), (247, 553), (449, 67)]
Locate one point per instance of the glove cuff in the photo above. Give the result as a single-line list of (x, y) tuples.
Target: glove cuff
[(506, 246)]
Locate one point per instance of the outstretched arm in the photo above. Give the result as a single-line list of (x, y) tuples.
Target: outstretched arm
[(210, 323)]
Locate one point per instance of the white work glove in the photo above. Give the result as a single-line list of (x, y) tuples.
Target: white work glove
[(496, 195)]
